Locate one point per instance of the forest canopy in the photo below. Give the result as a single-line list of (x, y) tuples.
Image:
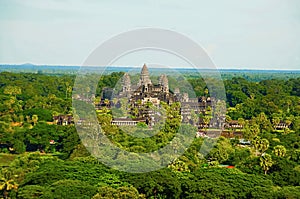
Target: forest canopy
[(40, 158)]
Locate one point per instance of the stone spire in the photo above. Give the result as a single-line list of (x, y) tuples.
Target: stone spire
[(176, 91), (126, 83), (163, 80), (144, 78), (185, 97)]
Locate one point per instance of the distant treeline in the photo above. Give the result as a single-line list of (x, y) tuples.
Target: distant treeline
[(251, 75)]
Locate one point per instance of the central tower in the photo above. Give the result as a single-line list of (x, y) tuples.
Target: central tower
[(144, 78)]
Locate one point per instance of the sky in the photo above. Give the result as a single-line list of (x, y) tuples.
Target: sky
[(238, 34)]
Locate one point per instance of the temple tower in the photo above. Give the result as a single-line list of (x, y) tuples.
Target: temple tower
[(144, 78), (126, 83), (163, 81)]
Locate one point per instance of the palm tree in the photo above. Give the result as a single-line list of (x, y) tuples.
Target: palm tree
[(34, 119), (178, 165), (279, 151), (266, 162), (264, 145), (260, 145), (255, 143), (7, 183)]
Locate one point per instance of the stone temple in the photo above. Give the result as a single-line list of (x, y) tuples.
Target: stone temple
[(145, 91), (139, 97)]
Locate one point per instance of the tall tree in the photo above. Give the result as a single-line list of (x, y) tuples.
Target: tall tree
[(266, 162), (260, 145)]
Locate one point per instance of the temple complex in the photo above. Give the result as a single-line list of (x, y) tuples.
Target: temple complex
[(144, 99)]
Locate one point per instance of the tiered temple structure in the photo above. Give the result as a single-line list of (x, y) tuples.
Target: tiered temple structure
[(145, 91), (138, 97)]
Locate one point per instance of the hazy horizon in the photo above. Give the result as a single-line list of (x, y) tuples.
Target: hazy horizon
[(150, 67)]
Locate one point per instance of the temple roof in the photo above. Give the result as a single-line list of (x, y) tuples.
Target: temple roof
[(163, 80), (126, 79), (145, 70)]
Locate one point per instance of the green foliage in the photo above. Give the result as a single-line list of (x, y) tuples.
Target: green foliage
[(79, 151), (42, 114), (250, 165), (71, 189), (251, 131), (221, 150), (6, 159), (266, 162), (289, 192), (119, 193), (238, 156), (279, 150), (284, 173), (28, 102), (223, 183), (19, 146), (32, 191), (142, 125), (162, 182)]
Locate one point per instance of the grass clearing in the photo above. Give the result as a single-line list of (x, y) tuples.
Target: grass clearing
[(6, 159)]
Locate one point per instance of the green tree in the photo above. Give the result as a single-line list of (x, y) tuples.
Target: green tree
[(179, 165), (163, 182), (260, 145), (71, 189), (256, 144), (32, 191), (223, 183), (266, 162), (279, 151), (264, 145), (7, 183), (19, 146), (35, 119), (118, 193), (79, 151), (263, 122), (221, 150), (12, 90), (251, 131)]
